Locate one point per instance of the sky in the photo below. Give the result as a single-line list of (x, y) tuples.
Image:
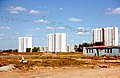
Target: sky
[(37, 18)]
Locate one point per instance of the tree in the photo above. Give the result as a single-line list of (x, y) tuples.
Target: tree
[(10, 50), (36, 49), (75, 48), (80, 48), (98, 43), (28, 49), (91, 44), (16, 50), (85, 45)]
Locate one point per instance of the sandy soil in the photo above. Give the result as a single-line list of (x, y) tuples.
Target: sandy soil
[(112, 72)]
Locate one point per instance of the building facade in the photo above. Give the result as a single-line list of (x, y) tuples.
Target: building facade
[(109, 36), (101, 50), (57, 42), (24, 44), (98, 35)]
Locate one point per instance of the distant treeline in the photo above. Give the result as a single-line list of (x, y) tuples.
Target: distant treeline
[(80, 47), (9, 50)]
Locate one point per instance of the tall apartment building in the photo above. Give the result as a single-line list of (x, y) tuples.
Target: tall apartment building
[(24, 43), (98, 35), (111, 36), (107, 35), (57, 42)]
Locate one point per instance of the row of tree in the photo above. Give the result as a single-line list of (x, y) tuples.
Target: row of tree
[(9, 50), (35, 49), (76, 47), (80, 47)]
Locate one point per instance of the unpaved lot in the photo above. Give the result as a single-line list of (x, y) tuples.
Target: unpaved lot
[(112, 72), (59, 65)]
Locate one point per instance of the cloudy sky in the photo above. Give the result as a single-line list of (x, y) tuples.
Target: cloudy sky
[(37, 18)]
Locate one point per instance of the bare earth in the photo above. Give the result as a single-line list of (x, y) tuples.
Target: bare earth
[(112, 72)]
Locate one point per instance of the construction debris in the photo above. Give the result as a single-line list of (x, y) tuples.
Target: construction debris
[(6, 68), (23, 60), (103, 66)]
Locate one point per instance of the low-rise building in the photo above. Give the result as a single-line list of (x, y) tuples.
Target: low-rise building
[(43, 49), (71, 47), (102, 50)]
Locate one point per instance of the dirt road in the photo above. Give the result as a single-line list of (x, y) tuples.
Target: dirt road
[(112, 72)]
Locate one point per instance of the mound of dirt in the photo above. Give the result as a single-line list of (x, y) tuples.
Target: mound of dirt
[(6, 68)]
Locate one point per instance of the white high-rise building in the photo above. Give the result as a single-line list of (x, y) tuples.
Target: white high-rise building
[(57, 42), (51, 42), (24, 43), (107, 35), (98, 35), (111, 36)]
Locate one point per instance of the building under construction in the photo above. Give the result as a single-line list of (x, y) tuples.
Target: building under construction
[(102, 50)]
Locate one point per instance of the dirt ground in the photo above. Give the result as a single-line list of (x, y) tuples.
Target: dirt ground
[(61, 65), (112, 72)]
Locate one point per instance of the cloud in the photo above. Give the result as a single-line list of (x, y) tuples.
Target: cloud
[(17, 33), (29, 35), (79, 33), (42, 21), (62, 28), (83, 30), (83, 33), (4, 28), (113, 11), (38, 29), (50, 28), (16, 9), (80, 28), (61, 9), (37, 12), (73, 19), (72, 40)]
